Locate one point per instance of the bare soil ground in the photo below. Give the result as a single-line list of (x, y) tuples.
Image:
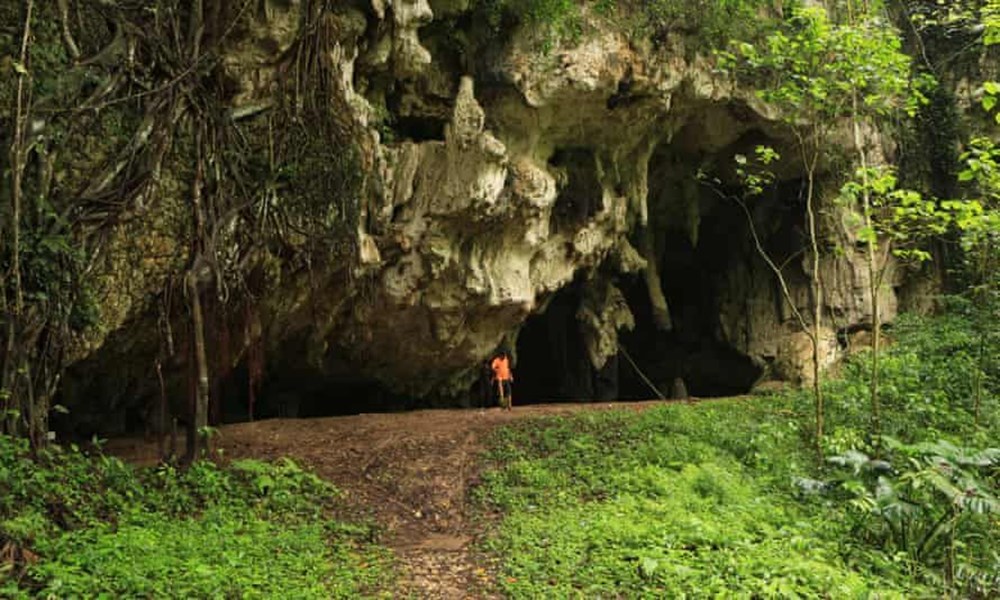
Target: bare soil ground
[(411, 472)]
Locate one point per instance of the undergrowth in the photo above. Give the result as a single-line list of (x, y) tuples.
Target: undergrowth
[(78, 526), (725, 498)]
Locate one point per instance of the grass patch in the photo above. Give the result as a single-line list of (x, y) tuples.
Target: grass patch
[(79, 526), (677, 500), (725, 498)]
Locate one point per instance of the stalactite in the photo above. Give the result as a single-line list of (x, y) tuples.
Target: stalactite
[(654, 287)]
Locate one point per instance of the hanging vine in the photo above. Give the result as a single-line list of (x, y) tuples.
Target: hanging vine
[(145, 83)]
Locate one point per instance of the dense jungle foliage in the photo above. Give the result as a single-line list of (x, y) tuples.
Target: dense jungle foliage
[(116, 122), (711, 24)]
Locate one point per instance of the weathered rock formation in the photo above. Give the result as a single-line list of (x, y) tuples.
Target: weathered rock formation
[(493, 182)]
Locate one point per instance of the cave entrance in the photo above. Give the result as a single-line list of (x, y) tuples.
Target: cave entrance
[(690, 353), (552, 363), (698, 242), (297, 390), (301, 399)]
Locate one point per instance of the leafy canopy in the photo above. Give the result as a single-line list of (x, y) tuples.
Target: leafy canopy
[(813, 68)]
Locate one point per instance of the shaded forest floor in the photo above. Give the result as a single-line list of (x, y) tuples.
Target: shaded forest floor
[(411, 473)]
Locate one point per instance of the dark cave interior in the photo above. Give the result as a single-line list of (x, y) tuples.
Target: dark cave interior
[(698, 239), (552, 364)]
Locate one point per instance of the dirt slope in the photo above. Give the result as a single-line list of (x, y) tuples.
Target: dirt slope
[(411, 472)]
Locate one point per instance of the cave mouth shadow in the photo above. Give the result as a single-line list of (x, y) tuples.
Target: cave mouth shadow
[(302, 393), (552, 362), (551, 358), (687, 355)]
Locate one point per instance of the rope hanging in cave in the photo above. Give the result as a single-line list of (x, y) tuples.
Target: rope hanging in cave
[(641, 374)]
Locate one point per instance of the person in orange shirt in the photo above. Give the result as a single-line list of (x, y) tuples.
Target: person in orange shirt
[(503, 378)]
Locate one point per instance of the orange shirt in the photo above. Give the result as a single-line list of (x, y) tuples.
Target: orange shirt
[(501, 368)]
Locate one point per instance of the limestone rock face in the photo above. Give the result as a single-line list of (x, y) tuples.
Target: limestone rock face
[(489, 189), (757, 319), (488, 223)]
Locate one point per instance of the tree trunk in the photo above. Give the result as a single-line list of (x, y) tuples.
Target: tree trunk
[(196, 429), (874, 276), (161, 425), (15, 351), (980, 370), (7, 392), (199, 421), (817, 306), (17, 163)]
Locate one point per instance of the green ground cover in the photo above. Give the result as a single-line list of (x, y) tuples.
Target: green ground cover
[(726, 498), (94, 527)]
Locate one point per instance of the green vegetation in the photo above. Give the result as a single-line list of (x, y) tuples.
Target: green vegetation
[(818, 71), (724, 497), (713, 23), (78, 526), (641, 504), (931, 375)]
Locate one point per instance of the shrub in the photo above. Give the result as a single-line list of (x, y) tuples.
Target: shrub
[(99, 527)]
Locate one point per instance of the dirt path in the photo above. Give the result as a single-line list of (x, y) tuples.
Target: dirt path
[(412, 472)]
